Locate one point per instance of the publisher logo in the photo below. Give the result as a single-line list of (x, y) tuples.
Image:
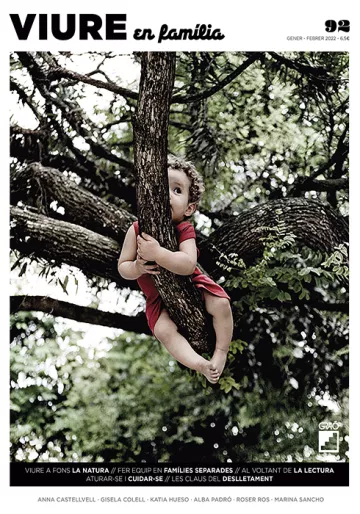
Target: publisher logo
[(329, 437)]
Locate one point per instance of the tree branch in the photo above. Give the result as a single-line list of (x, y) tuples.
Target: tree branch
[(75, 117), (312, 184), (221, 84), (337, 158), (95, 255), (26, 147), (59, 72), (42, 186), (314, 224), (60, 242), (316, 74), (58, 308), (310, 304)]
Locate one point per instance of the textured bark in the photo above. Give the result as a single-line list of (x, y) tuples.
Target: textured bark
[(68, 310), (39, 186), (314, 224), (182, 300), (61, 242)]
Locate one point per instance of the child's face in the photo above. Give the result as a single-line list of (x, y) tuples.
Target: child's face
[(179, 185)]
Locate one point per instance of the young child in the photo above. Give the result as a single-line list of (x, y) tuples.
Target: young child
[(186, 188)]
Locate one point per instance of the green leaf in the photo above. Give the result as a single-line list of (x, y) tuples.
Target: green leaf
[(17, 262), (63, 285), (304, 271), (23, 269)]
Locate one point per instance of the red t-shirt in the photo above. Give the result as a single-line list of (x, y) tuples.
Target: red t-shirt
[(154, 305)]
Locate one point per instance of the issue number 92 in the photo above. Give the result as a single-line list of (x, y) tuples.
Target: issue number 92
[(341, 26)]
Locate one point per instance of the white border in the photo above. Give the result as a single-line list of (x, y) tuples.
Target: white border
[(247, 26)]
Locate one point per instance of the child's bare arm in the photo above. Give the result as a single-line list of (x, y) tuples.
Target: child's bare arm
[(182, 262), (130, 265)]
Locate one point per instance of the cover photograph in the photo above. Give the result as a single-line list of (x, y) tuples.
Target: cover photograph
[(179, 261)]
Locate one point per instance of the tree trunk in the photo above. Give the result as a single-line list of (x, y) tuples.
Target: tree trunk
[(180, 297)]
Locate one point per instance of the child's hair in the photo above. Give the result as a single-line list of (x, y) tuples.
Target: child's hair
[(196, 182)]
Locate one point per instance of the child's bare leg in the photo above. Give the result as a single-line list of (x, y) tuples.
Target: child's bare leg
[(219, 308), (167, 333)]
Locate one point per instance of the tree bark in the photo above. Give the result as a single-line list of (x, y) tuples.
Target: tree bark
[(39, 186), (313, 223), (60, 242), (181, 298)]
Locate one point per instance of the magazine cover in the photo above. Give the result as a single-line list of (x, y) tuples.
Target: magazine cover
[(179, 256)]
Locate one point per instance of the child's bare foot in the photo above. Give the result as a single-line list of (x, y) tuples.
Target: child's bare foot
[(208, 370), (218, 360)]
